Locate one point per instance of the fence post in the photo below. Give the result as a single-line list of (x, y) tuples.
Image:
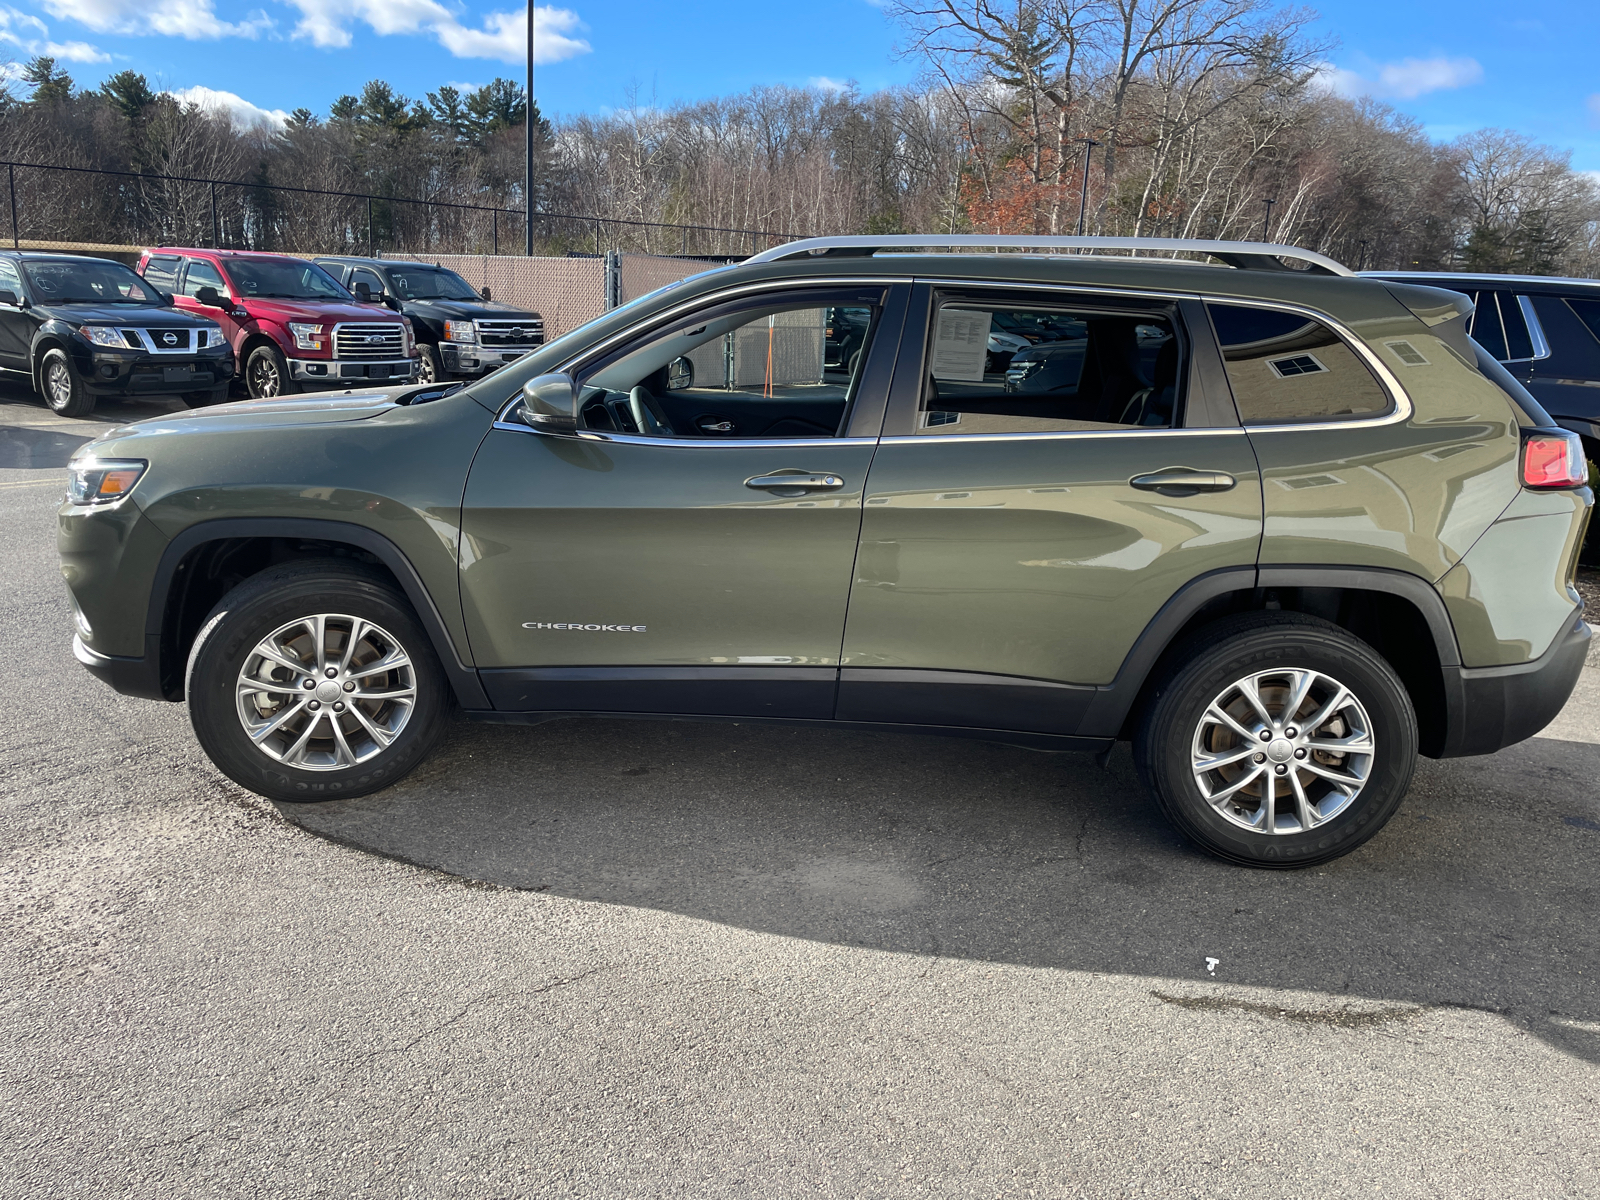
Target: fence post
[(613, 278), (216, 240), (16, 237), (496, 215), (597, 237), (372, 245)]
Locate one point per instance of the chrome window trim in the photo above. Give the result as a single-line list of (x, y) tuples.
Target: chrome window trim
[(633, 439), (925, 439), (665, 316), (1541, 347)]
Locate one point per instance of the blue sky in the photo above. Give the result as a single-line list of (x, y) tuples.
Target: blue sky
[(1455, 67)]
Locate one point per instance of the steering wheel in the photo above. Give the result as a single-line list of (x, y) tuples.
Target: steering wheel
[(648, 416)]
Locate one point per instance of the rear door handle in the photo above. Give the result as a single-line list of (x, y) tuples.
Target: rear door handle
[(809, 483), (1180, 481)]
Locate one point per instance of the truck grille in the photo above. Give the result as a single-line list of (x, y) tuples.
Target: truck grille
[(528, 332), (159, 339), (369, 343)]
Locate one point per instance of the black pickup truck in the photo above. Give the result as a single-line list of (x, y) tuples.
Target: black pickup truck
[(460, 331)]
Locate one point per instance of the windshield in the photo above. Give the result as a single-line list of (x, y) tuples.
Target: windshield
[(430, 283), (282, 279), (87, 281)]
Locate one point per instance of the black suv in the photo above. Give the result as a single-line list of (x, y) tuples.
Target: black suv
[(459, 330), (83, 328)]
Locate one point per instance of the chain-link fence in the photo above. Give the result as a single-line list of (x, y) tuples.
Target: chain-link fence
[(84, 208)]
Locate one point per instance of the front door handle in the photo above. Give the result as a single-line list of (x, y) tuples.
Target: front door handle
[(796, 482), (1180, 481)]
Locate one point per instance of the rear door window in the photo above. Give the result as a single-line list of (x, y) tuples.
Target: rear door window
[(162, 270), (1049, 364), (1587, 311), (202, 274), (1286, 367)]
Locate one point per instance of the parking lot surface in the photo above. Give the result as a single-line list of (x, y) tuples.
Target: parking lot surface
[(616, 959)]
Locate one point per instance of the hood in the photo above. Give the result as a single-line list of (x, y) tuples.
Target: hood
[(465, 310), (139, 316), (324, 312), (258, 414)]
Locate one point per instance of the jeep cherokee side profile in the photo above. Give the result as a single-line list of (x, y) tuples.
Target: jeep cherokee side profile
[(1283, 529), (291, 324)]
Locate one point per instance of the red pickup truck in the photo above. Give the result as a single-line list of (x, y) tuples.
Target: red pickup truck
[(291, 324)]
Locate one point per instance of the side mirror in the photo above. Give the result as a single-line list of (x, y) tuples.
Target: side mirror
[(362, 291), (680, 374), (484, 292), (8, 297), (550, 403), (209, 297)]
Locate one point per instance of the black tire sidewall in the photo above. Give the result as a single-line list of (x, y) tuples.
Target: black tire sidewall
[(280, 364), (430, 362), (1163, 752), (239, 623), (80, 403)]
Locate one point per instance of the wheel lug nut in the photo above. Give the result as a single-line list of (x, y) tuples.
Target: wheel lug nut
[(1266, 735), (1291, 732), (310, 683), (350, 686), (339, 707), (1281, 770), (332, 671), (1300, 753), (1261, 758), (313, 706)]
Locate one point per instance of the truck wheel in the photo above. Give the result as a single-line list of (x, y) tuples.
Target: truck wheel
[(314, 681), (1277, 740), (63, 390), (206, 398), (266, 373), (429, 370)]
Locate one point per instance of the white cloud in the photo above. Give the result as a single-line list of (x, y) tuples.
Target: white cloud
[(32, 36), (194, 19), (240, 111), (1403, 80), (824, 84), (503, 35)]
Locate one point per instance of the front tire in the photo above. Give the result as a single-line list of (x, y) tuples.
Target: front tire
[(266, 374), (314, 681), (429, 369), (1278, 740), (206, 398), (63, 389)]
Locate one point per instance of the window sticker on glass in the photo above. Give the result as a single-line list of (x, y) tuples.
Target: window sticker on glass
[(961, 344), (1407, 353)]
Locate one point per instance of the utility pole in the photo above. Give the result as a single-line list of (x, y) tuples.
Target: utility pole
[(527, 187), (1266, 224), (1083, 198)]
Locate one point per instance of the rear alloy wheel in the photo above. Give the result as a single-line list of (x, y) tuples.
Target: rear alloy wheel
[(312, 682), (63, 390), (266, 373), (1278, 740)]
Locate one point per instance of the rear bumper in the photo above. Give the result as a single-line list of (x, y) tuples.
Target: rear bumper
[(1495, 707), (332, 371)]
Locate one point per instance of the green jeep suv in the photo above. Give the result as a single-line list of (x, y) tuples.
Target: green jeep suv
[(1282, 528)]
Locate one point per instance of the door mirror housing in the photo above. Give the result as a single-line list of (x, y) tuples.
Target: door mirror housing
[(209, 297), (484, 292), (550, 403), (362, 291)]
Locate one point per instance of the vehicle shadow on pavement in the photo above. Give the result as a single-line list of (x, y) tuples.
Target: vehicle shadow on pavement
[(25, 448), (1480, 894)]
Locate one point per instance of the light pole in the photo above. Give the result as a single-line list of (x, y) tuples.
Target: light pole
[(1083, 198), (527, 187), (1266, 224)]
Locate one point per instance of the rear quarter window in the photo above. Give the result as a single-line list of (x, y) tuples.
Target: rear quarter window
[(1285, 367)]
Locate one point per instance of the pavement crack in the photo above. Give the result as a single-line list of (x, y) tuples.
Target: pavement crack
[(466, 1008), (1342, 1016)]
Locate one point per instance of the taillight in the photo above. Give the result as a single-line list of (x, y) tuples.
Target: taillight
[(1553, 460)]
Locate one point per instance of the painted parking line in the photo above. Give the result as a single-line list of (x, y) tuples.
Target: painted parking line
[(22, 483)]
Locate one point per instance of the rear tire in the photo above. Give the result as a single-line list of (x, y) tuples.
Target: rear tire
[(283, 705), (1329, 768), (63, 389)]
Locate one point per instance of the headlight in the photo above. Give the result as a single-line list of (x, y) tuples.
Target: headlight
[(460, 331), (409, 336), (306, 337), (104, 335), (204, 339), (102, 480)]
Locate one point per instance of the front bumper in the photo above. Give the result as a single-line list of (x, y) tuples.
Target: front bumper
[(459, 358), (130, 676), (115, 374), (1495, 707), (334, 371)]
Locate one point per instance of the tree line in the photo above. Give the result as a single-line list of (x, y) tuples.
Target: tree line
[(1162, 118)]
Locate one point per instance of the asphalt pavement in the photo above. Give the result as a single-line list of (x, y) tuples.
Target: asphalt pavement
[(618, 959)]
